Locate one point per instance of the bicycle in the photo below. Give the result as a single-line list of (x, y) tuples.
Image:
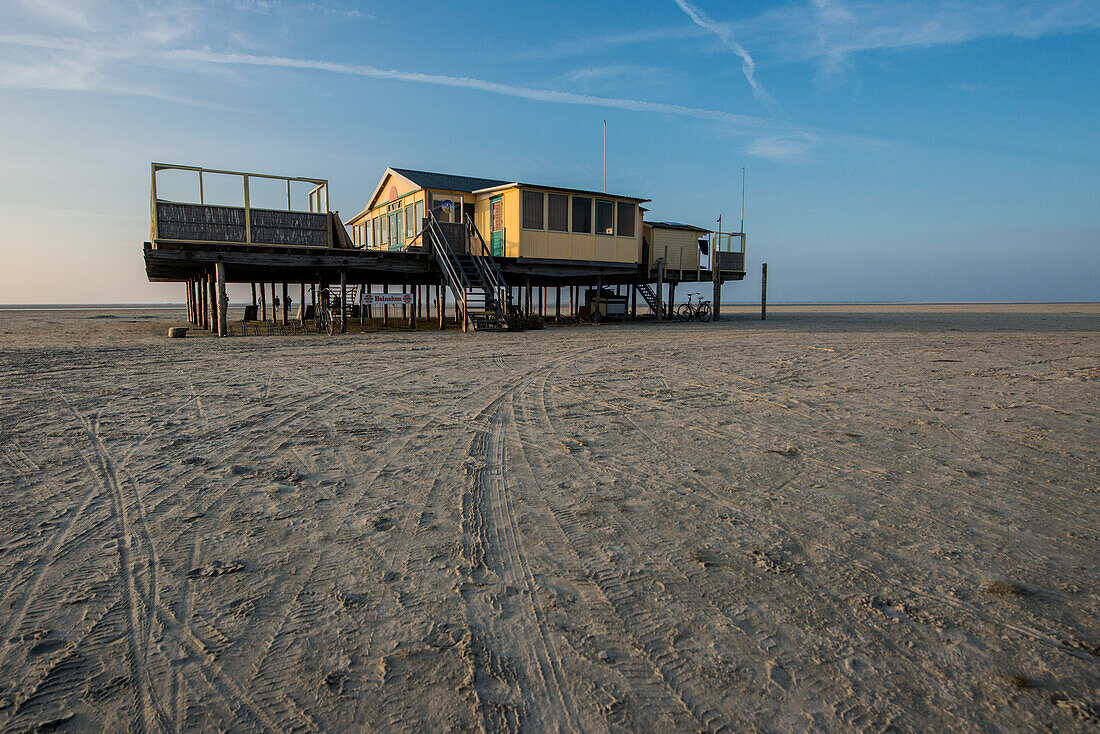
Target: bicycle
[(328, 313), (699, 310)]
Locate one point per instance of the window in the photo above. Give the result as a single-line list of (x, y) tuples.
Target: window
[(396, 240), (368, 232), (532, 210), (582, 214), (410, 225), (557, 212), (377, 229), (605, 217), (627, 214), (383, 225), (418, 215)]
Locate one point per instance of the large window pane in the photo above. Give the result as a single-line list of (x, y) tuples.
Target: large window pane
[(557, 212), (418, 214), (627, 216), (410, 225), (605, 217), (384, 228), (532, 210), (582, 214)]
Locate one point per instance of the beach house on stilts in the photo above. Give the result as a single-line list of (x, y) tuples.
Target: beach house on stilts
[(496, 246)]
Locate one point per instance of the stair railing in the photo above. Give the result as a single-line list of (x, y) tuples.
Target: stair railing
[(490, 271), (444, 255)]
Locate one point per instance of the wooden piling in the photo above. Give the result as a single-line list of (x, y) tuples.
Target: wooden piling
[(717, 274), (660, 284), (671, 298), (763, 291), (557, 303), (212, 302), (343, 301), (302, 304), (223, 299), (286, 306), (633, 301), (442, 301), (263, 303), (599, 297), (253, 294)]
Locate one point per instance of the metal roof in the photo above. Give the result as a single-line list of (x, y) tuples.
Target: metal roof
[(677, 225), (447, 181)]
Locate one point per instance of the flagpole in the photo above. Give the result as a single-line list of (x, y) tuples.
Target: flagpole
[(742, 200)]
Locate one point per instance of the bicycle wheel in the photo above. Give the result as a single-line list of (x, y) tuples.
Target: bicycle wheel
[(683, 312), (704, 314), (331, 325)]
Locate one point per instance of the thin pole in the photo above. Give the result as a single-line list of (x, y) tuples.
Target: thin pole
[(763, 291), (605, 156), (742, 199)]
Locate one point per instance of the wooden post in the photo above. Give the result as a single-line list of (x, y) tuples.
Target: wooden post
[(343, 301), (286, 306), (557, 303), (633, 301), (404, 308), (253, 294), (263, 303), (302, 304), (187, 300), (385, 307), (660, 284), (599, 297), (442, 300), (223, 299), (763, 291), (414, 306), (362, 306), (542, 301), (212, 300), (274, 318), (671, 297), (717, 268)]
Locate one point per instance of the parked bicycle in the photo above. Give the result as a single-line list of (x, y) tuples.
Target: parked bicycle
[(329, 313), (699, 310)]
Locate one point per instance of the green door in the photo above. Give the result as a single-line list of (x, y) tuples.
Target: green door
[(496, 226)]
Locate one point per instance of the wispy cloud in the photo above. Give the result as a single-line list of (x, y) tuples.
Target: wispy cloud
[(472, 83), (725, 34), (593, 45), (789, 148), (831, 32)]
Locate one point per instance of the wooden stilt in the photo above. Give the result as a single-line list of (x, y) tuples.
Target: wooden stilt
[(286, 305), (633, 300), (253, 294), (441, 300), (385, 308), (671, 297), (343, 301), (660, 285), (212, 304), (414, 307), (263, 303), (223, 299), (302, 304), (716, 306), (274, 318), (557, 303), (599, 297)]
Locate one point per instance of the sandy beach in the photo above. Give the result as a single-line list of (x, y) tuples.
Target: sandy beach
[(843, 518)]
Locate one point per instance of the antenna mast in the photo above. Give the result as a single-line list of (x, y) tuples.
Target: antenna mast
[(742, 200), (605, 156)]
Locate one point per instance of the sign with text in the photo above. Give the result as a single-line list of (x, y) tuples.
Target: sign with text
[(383, 299)]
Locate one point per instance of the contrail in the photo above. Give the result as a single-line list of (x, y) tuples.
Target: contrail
[(540, 95), (748, 66)]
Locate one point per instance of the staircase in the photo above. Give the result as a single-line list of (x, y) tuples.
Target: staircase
[(473, 277), (650, 297)]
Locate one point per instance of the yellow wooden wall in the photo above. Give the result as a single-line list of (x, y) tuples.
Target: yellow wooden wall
[(679, 247), (543, 244)]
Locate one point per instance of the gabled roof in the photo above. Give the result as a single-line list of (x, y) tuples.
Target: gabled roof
[(677, 225), (447, 181)]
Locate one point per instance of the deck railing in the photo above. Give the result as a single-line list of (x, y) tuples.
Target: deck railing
[(202, 222)]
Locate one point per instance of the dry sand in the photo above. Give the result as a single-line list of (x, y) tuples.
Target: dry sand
[(858, 518)]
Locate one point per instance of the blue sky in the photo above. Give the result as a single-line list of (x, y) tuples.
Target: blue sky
[(894, 150)]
